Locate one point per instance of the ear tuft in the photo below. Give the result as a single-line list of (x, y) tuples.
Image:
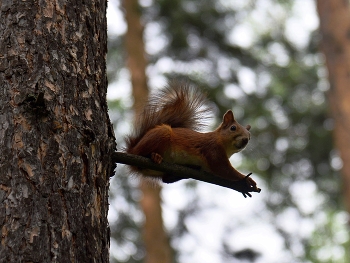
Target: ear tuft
[(228, 118)]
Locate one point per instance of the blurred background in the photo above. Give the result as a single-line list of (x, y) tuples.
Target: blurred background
[(282, 67)]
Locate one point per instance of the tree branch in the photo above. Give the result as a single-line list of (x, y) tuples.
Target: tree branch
[(183, 172)]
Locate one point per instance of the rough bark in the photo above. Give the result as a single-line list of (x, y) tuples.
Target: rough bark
[(155, 239), (55, 135), (335, 28)]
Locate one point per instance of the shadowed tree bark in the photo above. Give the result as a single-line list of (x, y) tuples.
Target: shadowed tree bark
[(335, 28), (155, 239), (56, 139)]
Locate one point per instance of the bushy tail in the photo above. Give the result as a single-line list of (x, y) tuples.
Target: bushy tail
[(179, 104)]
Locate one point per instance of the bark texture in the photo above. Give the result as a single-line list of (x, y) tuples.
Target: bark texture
[(335, 28), (55, 135), (154, 236)]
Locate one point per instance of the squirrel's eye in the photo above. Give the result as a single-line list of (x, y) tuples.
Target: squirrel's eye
[(233, 128)]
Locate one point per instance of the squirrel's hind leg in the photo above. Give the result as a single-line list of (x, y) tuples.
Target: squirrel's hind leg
[(154, 143), (166, 178), (156, 157)]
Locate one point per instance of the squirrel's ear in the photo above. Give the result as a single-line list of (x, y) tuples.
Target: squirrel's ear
[(228, 118)]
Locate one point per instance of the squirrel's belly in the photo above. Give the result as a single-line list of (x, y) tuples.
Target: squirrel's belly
[(183, 157)]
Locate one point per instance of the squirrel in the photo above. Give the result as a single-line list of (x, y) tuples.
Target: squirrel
[(168, 129)]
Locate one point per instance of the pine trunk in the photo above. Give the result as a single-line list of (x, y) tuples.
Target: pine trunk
[(154, 236), (335, 28), (55, 134)]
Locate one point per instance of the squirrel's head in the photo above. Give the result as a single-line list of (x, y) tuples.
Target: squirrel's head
[(234, 136)]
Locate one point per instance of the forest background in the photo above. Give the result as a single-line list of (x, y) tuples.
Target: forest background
[(261, 58)]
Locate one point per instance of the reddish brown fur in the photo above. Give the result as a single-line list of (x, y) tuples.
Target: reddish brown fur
[(167, 128), (157, 140)]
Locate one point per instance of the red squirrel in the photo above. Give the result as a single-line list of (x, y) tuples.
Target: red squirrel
[(167, 129)]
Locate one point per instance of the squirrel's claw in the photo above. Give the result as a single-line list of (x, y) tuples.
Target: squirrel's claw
[(248, 186), (246, 194)]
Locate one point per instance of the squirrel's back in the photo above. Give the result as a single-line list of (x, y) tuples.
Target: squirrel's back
[(179, 105)]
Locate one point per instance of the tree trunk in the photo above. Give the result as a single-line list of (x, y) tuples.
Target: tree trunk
[(335, 28), (55, 135), (155, 239)]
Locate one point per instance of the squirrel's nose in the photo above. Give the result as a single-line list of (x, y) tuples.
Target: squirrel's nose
[(245, 141)]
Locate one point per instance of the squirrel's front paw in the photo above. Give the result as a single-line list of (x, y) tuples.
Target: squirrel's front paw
[(249, 186)]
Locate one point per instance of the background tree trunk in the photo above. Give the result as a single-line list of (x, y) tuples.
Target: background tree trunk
[(55, 135), (155, 239), (335, 28)]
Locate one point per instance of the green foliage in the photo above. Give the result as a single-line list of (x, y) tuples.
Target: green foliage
[(330, 242)]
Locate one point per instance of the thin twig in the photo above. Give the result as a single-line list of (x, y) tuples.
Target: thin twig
[(182, 172)]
